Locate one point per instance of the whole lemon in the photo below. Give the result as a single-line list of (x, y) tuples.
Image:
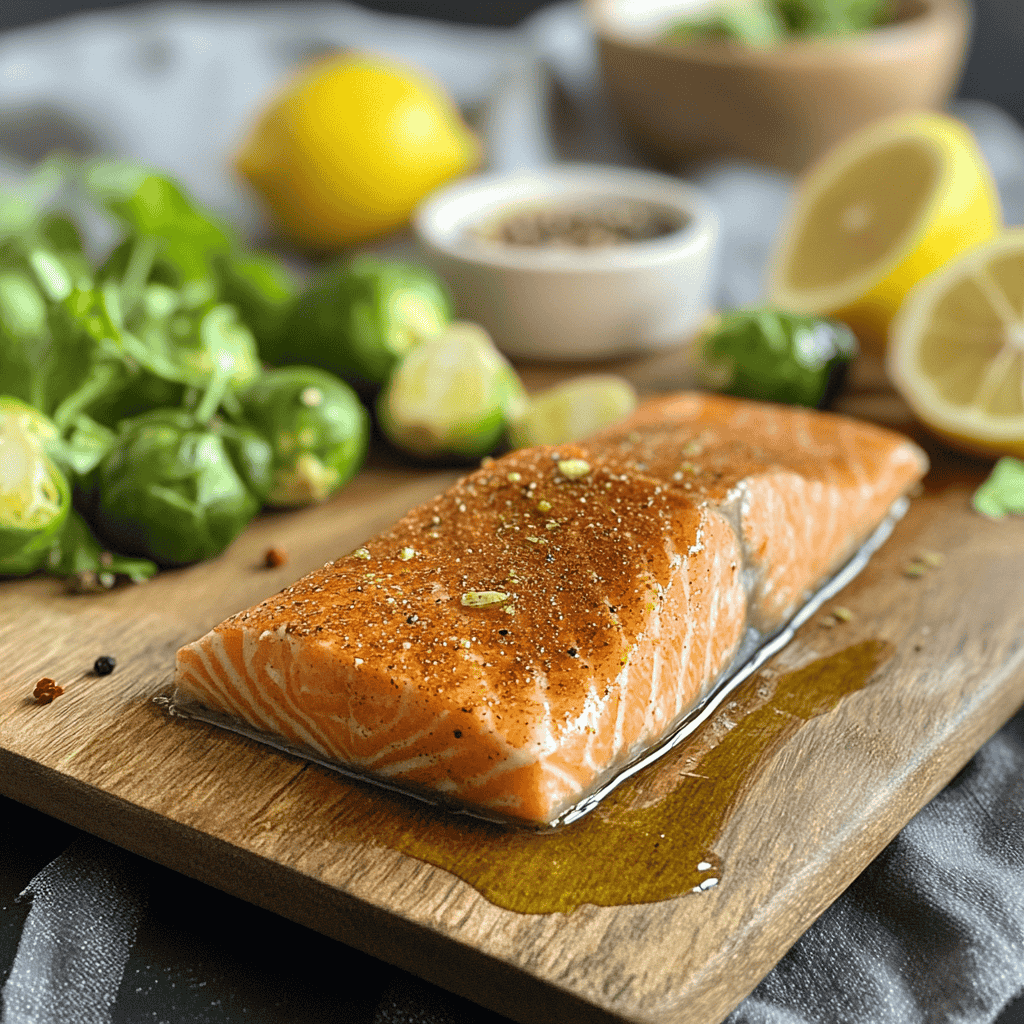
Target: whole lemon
[(351, 145)]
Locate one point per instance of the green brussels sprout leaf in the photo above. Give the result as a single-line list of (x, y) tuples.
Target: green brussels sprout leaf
[(772, 356)]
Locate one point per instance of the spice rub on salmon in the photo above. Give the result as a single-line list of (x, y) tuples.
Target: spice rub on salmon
[(512, 643)]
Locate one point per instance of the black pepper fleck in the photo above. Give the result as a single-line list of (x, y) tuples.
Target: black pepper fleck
[(104, 665), (573, 652), (458, 734)]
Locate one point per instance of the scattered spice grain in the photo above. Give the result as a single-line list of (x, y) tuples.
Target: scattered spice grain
[(46, 690), (104, 665), (275, 557)]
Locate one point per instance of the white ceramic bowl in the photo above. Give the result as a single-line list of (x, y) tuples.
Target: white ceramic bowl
[(565, 303)]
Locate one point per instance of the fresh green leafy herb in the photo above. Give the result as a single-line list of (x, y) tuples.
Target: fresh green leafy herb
[(1002, 494), (769, 22)]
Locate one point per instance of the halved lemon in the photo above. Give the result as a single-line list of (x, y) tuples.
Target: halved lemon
[(956, 349), (878, 213)]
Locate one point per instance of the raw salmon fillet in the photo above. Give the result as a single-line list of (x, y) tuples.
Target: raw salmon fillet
[(511, 644)]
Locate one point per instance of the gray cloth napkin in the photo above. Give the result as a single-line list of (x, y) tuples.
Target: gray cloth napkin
[(932, 932)]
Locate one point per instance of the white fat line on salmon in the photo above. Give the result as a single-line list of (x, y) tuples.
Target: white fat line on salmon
[(680, 579), (857, 466), (783, 591), (801, 422), (311, 732), (734, 509), (698, 545), (656, 697), (592, 714), (514, 759), (622, 687), (220, 679), (685, 653), (407, 740), (400, 710), (313, 739), (561, 783)]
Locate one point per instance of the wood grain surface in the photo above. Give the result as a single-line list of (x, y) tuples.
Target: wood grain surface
[(775, 805)]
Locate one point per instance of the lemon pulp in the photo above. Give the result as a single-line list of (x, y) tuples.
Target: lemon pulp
[(878, 213), (30, 497), (957, 348)]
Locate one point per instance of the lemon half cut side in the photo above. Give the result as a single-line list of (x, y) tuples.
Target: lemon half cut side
[(956, 351), (879, 212)]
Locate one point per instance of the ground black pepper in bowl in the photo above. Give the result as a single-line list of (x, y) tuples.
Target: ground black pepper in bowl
[(590, 227)]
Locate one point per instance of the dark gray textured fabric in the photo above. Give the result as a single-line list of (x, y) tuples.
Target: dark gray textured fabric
[(85, 907), (933, 931)]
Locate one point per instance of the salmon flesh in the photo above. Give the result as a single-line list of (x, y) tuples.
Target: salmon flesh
[(512, 644)]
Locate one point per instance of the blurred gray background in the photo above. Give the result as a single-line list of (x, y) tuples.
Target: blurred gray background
[(993, 69)]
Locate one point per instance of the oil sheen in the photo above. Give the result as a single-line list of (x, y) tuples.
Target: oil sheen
[(651, 839)]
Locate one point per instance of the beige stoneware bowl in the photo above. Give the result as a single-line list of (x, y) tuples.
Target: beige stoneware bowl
[(567, 303), (782, 106)]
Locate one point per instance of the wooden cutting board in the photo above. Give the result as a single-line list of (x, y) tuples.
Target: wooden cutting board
[(669, 902)]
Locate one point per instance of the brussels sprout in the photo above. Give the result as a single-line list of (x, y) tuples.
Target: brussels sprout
[(357, 320), (318, 429), (263, 290), (252, 456), (451, 396), (1002, 493), (573, 410), (169, 491), (35, 497), (774, 356)]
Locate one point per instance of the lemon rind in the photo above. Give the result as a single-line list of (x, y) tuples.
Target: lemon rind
[(942, 136), (964, 423)]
